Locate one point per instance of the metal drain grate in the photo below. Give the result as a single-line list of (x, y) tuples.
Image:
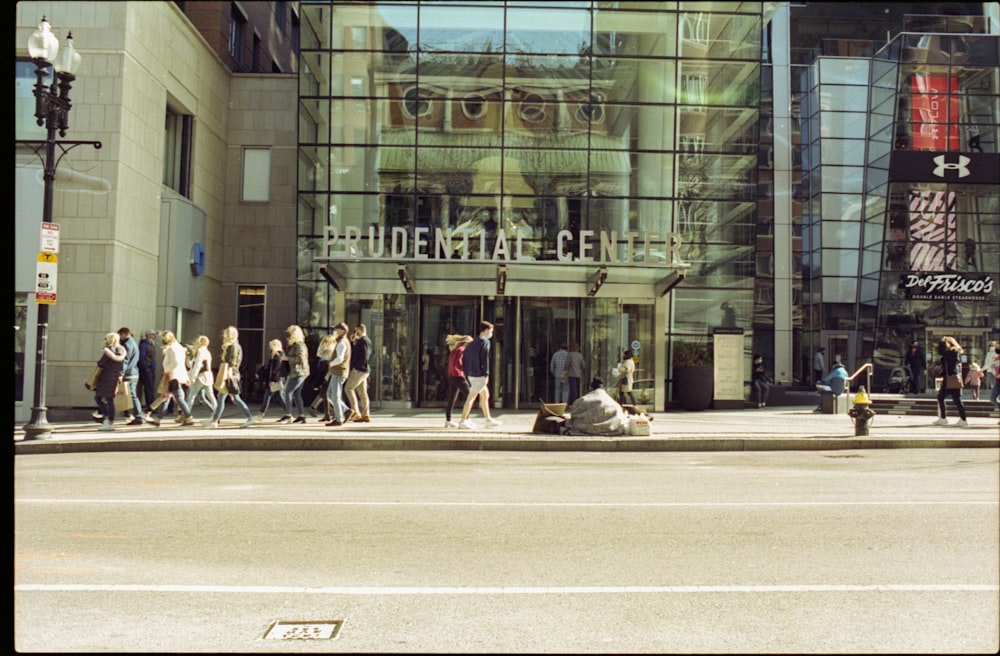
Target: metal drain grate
[(323, 630)]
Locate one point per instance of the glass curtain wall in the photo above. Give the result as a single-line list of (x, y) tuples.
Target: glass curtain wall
[(942, 85), (836, 125), (525, 119)]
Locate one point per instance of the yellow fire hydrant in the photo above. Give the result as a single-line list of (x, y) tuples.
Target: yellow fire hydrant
[(862, 412)]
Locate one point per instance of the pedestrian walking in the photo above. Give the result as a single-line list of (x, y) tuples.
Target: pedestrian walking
[(476, 366), (130, 373), (340, 365), (974, 380), (111, 363), (557, 367), (574, 370), (458, 384), (356, 387), (147, 366), (951, 385), (320, 377), (275, 373), (297, 356), (819, 365), (626, 378), (175, 376), (760, 380), (916, 362), (200, 373), (228, 382)]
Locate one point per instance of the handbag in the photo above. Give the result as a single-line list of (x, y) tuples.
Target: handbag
[(220, 378), (276, 386), (953, 381), (164, 386), (91, 382), (123, 397), (233, 386)]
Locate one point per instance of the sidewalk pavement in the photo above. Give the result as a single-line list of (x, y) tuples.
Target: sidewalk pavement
[(750, 429)]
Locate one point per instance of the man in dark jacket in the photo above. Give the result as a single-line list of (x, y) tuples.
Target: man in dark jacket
[(130, 373), (476, 366), (916, 362), (148, 356), (357, 379)]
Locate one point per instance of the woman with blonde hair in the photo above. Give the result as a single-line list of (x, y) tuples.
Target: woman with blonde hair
[(297, 356), (274, 377), (949, 350), (176, 374), (201, 374), (228, 381), (458, 384), (111, 364)]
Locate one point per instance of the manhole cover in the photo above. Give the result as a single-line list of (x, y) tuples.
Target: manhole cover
[(324, 630)]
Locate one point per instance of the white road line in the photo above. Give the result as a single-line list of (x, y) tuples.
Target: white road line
[(516, 504), (508, 590)]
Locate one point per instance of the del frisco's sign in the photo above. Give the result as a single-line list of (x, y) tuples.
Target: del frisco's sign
[(947, 286), (460, 244)]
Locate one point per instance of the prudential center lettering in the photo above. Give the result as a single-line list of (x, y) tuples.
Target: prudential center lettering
[(606, 247)]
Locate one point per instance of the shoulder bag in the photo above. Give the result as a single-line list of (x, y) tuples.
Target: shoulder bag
[(123, 397), (91, 382), (220, 378), (953, 381)]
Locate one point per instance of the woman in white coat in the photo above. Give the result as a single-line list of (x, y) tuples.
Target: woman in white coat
[(176, 373), (201, 374)]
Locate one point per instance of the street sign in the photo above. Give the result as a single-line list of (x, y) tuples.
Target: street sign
[(50, 237), (45, 278)]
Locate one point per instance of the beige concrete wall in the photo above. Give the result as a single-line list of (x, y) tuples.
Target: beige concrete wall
[(137, 57)]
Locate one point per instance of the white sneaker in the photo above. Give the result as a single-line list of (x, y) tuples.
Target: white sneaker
[(960, 423), (209, 423), (493, 422), (941, 421), (451, 423), (106, 426), (465, 423), (248, 423)]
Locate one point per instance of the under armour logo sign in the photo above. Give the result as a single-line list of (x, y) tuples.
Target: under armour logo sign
[(943, 166)]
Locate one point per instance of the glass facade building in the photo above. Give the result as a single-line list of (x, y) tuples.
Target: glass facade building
[(554, 168), (641, 175)]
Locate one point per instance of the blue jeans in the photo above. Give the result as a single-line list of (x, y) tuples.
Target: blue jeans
[(562, 391), (266, 403), (221, 405), (333, 393), (293, 392), (133, 389), (177, 392), (574, 389)]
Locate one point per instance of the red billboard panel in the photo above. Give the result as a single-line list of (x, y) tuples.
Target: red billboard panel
[(935, 112)]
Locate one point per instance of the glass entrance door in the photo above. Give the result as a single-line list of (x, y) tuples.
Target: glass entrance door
[(544, 324), (441, 316)]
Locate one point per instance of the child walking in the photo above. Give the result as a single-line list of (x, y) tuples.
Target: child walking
[(974, 380)]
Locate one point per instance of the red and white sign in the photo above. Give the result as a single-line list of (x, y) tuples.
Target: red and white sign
[(935, 112), (50, 237)]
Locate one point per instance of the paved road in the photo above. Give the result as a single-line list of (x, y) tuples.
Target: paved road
[(782, 428), (862, 551)]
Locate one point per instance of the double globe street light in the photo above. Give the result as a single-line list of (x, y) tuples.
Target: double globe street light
[(52, 105)]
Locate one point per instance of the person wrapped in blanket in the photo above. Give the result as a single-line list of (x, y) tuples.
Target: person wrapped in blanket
[(596, 413)]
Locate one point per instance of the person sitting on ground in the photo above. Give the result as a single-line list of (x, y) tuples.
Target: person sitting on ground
[(832, 384), (596, 413)]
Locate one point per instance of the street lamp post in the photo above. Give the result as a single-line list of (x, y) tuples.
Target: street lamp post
[(52, 105)]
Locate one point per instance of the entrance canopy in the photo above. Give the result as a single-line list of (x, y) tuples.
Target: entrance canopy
[(517, 278)]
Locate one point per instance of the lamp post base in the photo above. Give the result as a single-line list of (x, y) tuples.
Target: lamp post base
[(38, 427)]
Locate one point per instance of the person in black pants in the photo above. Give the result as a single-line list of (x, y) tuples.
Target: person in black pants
[(949, 350), (916, 362)]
